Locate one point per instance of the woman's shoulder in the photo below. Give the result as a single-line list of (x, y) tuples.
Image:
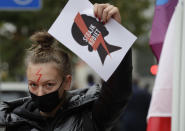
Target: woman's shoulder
[(7, 107), (10, 105), (82, 96), (92, 91)]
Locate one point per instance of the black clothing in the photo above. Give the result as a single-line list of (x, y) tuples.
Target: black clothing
[(134, 117), (86, 109)]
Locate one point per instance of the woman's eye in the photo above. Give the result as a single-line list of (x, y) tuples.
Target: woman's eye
[(50, 84), (33, 85)]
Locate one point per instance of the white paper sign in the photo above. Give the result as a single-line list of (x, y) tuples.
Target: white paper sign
[(102, 47)]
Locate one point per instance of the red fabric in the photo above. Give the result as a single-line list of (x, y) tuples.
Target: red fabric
[(159, 124)]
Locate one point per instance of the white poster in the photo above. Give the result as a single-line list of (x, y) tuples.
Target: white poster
[(102, 47)]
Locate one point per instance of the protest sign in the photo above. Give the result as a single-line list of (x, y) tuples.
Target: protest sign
[(101, 46)]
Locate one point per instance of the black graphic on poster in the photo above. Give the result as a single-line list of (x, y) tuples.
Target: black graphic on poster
[(87, 31)]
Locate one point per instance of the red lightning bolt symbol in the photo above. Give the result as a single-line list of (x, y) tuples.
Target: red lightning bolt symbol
[(39, 75)]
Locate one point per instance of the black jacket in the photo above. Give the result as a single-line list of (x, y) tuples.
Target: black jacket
[(86, 109)]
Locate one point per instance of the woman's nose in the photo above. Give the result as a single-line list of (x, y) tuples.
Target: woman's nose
[(40, 91)]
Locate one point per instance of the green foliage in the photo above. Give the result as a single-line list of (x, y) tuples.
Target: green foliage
[(13, 45)]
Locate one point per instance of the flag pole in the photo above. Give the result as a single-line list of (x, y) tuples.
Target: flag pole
[(178, 105), (182, 95)]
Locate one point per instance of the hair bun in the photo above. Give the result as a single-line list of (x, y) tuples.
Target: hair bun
[(43, 38)]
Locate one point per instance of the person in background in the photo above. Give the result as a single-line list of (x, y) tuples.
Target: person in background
[(52, 107), (90, 80), (135, 114)]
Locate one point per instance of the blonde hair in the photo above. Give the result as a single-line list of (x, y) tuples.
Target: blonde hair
[(45, 49)]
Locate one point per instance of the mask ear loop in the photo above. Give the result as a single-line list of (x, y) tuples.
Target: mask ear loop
[(63, 79), (63, 96)]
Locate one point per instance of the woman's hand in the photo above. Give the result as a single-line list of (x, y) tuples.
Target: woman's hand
[(105, 11)]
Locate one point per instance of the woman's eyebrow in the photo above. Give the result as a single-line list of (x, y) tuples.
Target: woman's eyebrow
[(31, 81), (50, 81)]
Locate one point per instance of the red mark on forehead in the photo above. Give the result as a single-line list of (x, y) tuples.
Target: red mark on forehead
[(39, 75)]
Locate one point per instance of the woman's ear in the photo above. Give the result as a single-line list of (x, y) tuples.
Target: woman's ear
[(67, 82)]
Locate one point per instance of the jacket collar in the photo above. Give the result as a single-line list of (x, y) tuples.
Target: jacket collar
[(11, 112), (80, 97)]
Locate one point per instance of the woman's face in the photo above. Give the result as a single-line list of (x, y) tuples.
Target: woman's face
[(46, 78)]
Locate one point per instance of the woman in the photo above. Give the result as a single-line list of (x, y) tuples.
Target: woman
[(52, 107)]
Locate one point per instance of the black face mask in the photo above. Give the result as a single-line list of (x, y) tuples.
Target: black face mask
[(48, 102)]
